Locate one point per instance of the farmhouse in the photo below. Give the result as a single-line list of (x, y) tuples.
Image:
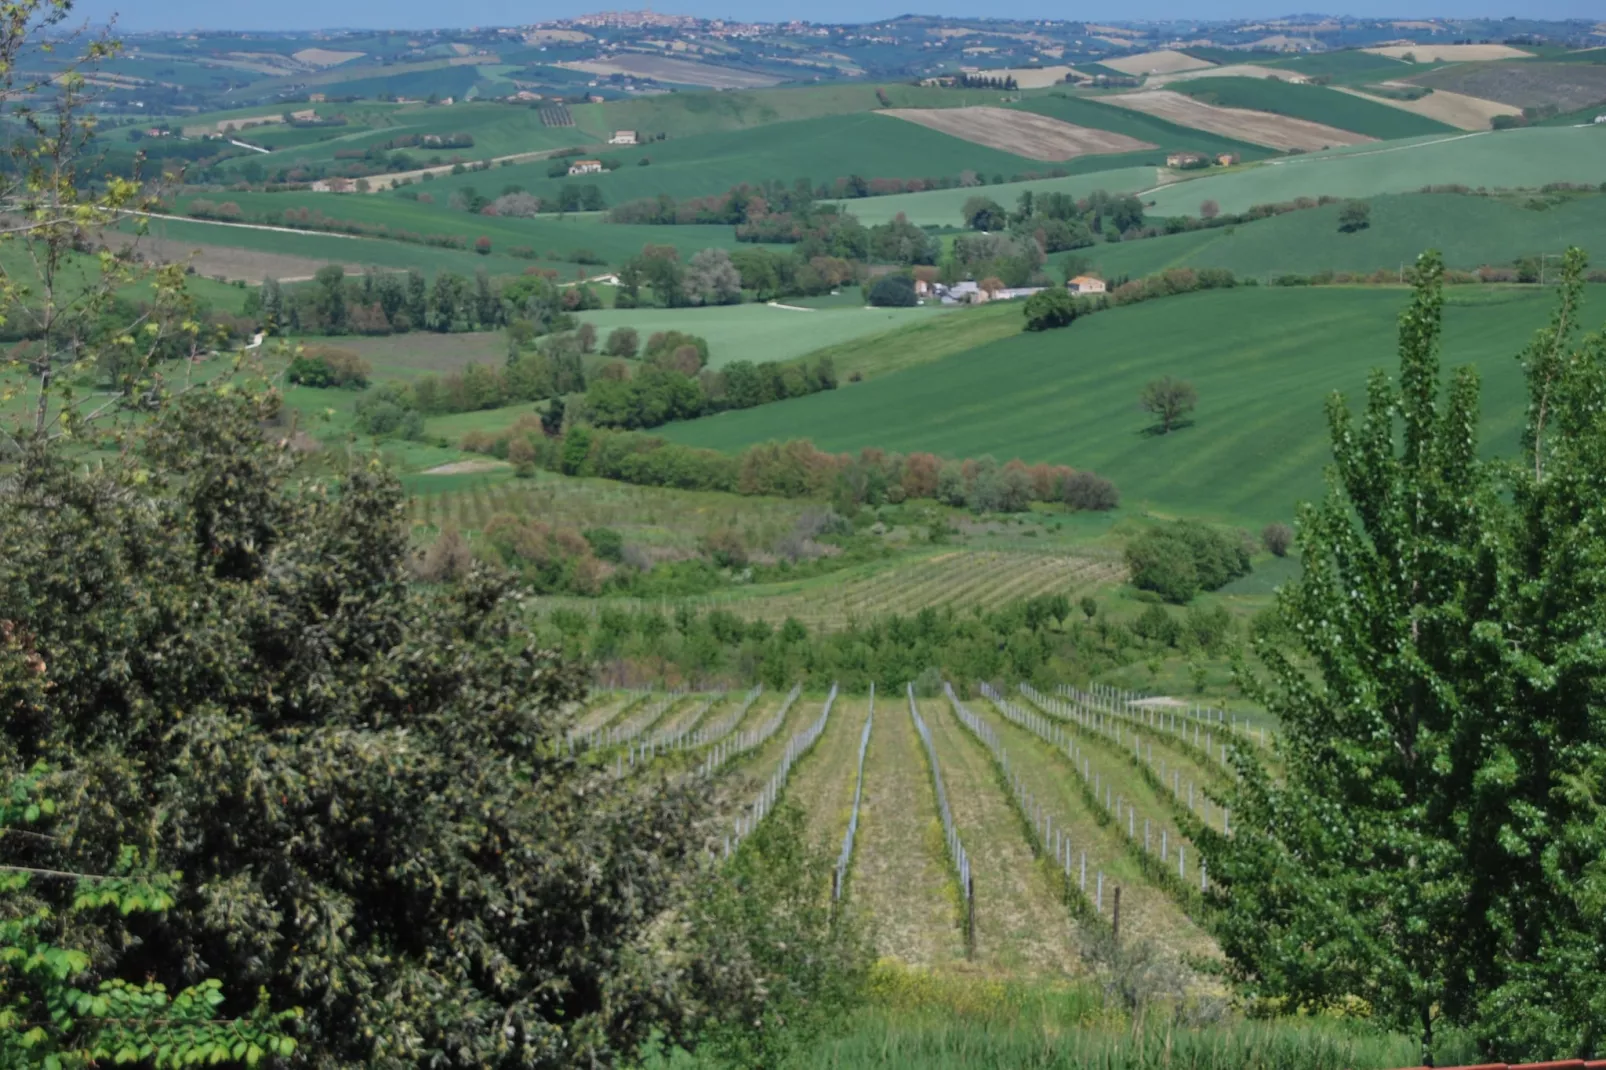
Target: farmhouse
[(1226, 159), (1085, 284), (623, 137), (585, 167), (1186, 159)]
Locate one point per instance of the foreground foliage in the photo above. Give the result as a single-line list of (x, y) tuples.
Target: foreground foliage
[(1436, 847), (365, 785)]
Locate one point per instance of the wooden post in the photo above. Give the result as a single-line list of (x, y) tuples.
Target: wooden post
[(970, 917), (1115, 923)]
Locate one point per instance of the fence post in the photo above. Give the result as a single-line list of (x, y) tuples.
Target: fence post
[(1116, 923), (970, 916)]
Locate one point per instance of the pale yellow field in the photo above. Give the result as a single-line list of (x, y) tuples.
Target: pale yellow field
[(326, 57), (1456, 109), (1256, 127), (1236, 70), (1450, 53), (1164, 61)]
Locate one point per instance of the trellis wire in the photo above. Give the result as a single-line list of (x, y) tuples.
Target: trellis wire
[(632, 697), (723, 727), (1178, 720), (840, 878), (796, 747), (1046, 839), (956, 847), (1114, 806), (1106, 722), (742, 742)]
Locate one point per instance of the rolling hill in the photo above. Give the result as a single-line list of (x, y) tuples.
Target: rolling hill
[(1263, 360), (1512, 158), (1470, 231), (1313, 102)]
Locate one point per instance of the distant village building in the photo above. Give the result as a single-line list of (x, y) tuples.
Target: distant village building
[(623, 137), (1186, 159), (1085, 284), (316, 98), (585, 167)]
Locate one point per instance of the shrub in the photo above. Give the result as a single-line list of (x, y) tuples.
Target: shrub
[(1052, 308), (893, 291), (482, 245), (1090, 491), (325, 366), (1278, 538), (1180, 559), (622, 342)]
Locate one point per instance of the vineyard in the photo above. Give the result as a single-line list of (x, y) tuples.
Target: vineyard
[(1013, 829), (960, 578)]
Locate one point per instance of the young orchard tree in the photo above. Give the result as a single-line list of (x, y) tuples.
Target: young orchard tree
[(1168, 400), (1434, 843)]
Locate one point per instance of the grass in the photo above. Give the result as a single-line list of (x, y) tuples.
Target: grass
[(823, 785), (555, 239), (1470, 231), (336, 249), (683, 114), (901, 880), (1512, 158), (759, 333), (1262, 359), (922, 341), (1146, 911), (821, 150), (1021, 925), (1315, 103), (941, 207)]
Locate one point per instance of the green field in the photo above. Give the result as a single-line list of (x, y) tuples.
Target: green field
[(1470, 231), (1263, 361), (821, 150), (1512, 158), (941, 207), (760, 333), (553, 238), (1318, 104), (680, 114)]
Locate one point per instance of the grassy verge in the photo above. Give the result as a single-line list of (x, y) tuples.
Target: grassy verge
[(880, 354), (900, 878)]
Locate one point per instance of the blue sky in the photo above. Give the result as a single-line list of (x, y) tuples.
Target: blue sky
[(416, 14)]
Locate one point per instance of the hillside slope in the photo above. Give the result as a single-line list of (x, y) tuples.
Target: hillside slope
[(1263, 361)]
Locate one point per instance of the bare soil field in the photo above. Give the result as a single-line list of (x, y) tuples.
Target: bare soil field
[(1023, 133), (326, 57), (1237, 70), (216, 261), (1164, 61), (1256, 127), (1450, 53), (1456, 109), (680, 71), (542, 37), (1567, 86)]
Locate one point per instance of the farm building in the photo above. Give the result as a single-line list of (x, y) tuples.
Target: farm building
[(623, 137), (1085, 284), (1226, 159), (1186, 159), (585, 167)]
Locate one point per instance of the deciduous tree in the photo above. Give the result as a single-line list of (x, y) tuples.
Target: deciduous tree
[(1168, 400)]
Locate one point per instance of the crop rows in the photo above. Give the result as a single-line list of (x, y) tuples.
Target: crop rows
[(1128, 823), (950, 832), (796, 748), (733, 746), (1151, 844), (839, 878), (627, 728)]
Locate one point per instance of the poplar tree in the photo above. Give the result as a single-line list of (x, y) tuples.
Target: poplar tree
[(1432, 846)]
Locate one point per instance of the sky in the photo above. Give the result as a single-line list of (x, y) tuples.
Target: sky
[(425, 14)]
